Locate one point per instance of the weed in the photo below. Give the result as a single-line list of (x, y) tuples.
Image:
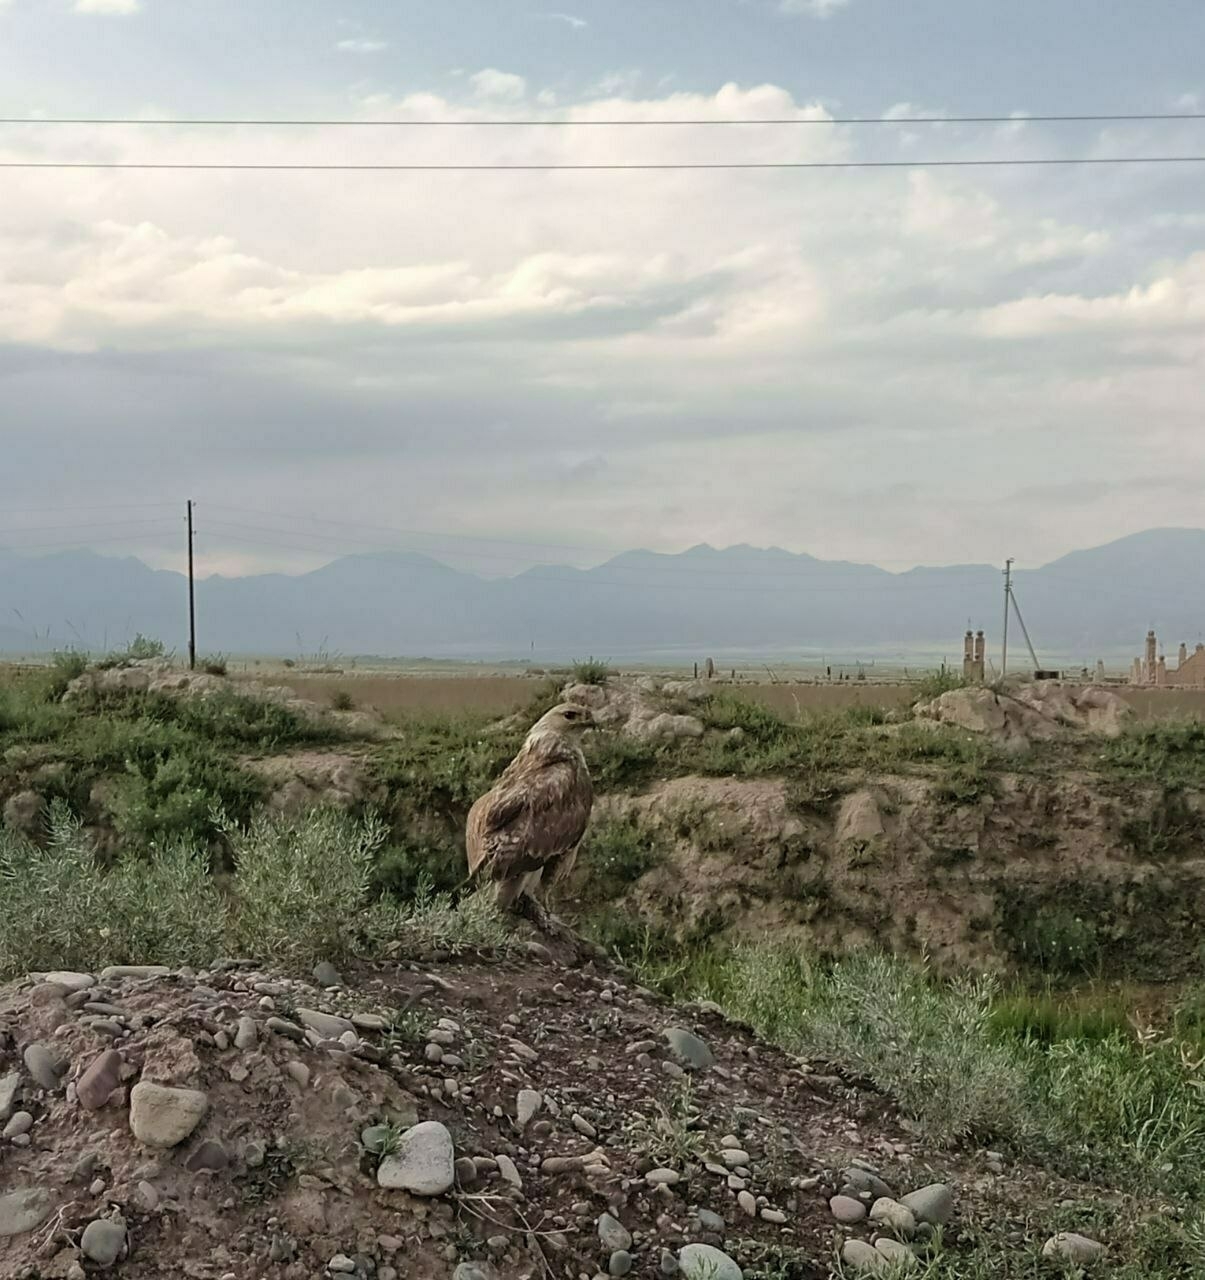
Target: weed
[(672, 1137), (341, 700), (936, 683), (616, 852), (591, 671)]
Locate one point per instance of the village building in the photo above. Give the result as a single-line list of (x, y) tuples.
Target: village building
[(1152, 668)]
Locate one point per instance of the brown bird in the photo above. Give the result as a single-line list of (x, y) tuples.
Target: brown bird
[(527, 827)]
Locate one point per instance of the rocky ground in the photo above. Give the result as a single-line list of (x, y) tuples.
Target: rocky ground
[(492, 1117)]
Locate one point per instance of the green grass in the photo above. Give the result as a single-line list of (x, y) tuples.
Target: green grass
[(1169, 752), (616, 852), (591, 671), (301, 891)]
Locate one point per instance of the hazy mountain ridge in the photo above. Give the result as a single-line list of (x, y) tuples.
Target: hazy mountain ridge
[(738, 599)]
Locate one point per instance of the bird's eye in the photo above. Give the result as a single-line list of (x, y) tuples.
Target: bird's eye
[(570, 715)]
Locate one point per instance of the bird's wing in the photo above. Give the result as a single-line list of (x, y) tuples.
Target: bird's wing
[(537, 813)]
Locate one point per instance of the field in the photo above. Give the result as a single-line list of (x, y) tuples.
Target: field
[(1005, 944)]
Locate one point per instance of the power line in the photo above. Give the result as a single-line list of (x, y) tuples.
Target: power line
[(265, 167), (526, 123)]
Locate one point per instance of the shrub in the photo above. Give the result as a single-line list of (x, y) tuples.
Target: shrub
[(936, 683), (341, 700), (214, 664), (616, 852), (591, 671)]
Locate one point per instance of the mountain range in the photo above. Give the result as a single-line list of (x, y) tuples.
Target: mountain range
[(736, 602)]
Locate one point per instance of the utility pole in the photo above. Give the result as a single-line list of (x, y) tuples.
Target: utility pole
[(1008, 593), (192, 605)]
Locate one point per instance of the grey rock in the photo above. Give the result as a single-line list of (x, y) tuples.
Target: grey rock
[(22, 1211), (933, 1204), (703, 1262), (146, 1197), (290, 1030), (669, 1264), (96, 1085), (135, 971), (710, 1221), (509, 1172), (103, 1241), (10, 1086), (863, 1259), (45, 1065), (326, 1025), (298, 1072), (776, 1216), (375, 1138), (747, 1203), (164, 1117), (247, 1034), (475, 1271), (433, 1053), (620, 1263), (583, 1126), (327, 975), (847, 1210), (209, 1155), (20, 1123), (528, 1107), (466, 1171), (892, 1215), (662, 1177), (689, 1049), (613, 1234), (424, 1163), (899, 1257), (862, 1182), (1077, 1249), (735, 1159), (341, 1264), (71, 981)]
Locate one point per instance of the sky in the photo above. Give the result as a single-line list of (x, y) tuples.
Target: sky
[(901, 366)]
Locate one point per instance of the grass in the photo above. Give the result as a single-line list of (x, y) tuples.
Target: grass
[(590, 671), (616, 852), (301, 891), (1169, 752)]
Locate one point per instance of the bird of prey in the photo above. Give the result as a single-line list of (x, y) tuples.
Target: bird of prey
[(527, 827)]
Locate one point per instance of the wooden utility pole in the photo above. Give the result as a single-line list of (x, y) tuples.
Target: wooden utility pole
[(192, 600), (1008, 593)]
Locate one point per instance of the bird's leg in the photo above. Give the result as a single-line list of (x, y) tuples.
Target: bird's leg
[(529, 906)]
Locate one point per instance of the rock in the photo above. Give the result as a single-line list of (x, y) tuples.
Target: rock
[(424, 1163), (703, 1262), (659, 728), (20, 1123), (9, 1087), (933, 1204), (662, 1177), (164, 1117), (689, 1049), (613, 1234), (326, 975), (209, 1155), (527, 1107), (325, 1024), (859, 818), (298, 1072), (45, 1065), (669, 1264), (508, 1171), (862, 1181), (135, 971), (747, 1203), (96, 1085), (246, 1035), (899, 1256), (776, 1216), (375, 1138), (475, 1271), (290, 1030), (734, 1159), (847, 1210), (70, 981), (22, 1211), (620, 1263), (901, 1222), (1077, 1249), (23, 813), (864, 1259), (146, 1197), (710, 1221), (341, 1264), (103, 1241)]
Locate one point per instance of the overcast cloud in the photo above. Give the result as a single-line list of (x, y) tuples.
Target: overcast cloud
[(899, 366)]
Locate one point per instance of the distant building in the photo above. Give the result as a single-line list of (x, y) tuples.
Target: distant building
[(1152, 669), (973, 657)]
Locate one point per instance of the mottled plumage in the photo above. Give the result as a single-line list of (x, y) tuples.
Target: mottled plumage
[(528, 826)]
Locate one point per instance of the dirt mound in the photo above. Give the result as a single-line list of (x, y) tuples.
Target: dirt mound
[(506, 1118), (1037, 712), (641, 708), (300, 780)]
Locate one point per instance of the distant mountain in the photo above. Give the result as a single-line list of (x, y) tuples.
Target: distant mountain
[(742, 600)]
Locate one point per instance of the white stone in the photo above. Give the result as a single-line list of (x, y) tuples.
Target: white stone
[(424, 1163)]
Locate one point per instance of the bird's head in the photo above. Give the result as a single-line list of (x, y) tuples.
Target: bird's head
[(567, 718)]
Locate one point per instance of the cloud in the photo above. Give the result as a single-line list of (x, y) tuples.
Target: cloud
[(498, 86), (656, 358), (361, 45), (115, 8), (578, 24), (814, 8)]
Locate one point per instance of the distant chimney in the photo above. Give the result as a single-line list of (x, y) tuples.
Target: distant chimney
[(1183, 654)]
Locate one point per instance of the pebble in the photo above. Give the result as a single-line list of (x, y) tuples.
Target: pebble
[(288, 1029), (663, 1177), (689, 1049), (669, 1264), (96, 1085), (673, 1070), (583, 1126), (933, 1204), (891, 1214), (864, 1259), (863, 1182), (528, 1107), (209, 1155), (146, 1197), (710, 1221), (508, 1171), (71, 981), (747, 1203), (22, 1211), (847, 1210), (134, 971), (163, 1117), (613, 1234), (20, 1123), (103, 1241), (341, 1264), (298, 1072), (475, 1271), (424, 1163), (433, 1053), (1077, 1249), (45, 1065), (703, 1262), (899, 1256), (246, 1036), (326, 975), (735, 1159), (9, 1087), (776, 1216), (620, 1263)]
